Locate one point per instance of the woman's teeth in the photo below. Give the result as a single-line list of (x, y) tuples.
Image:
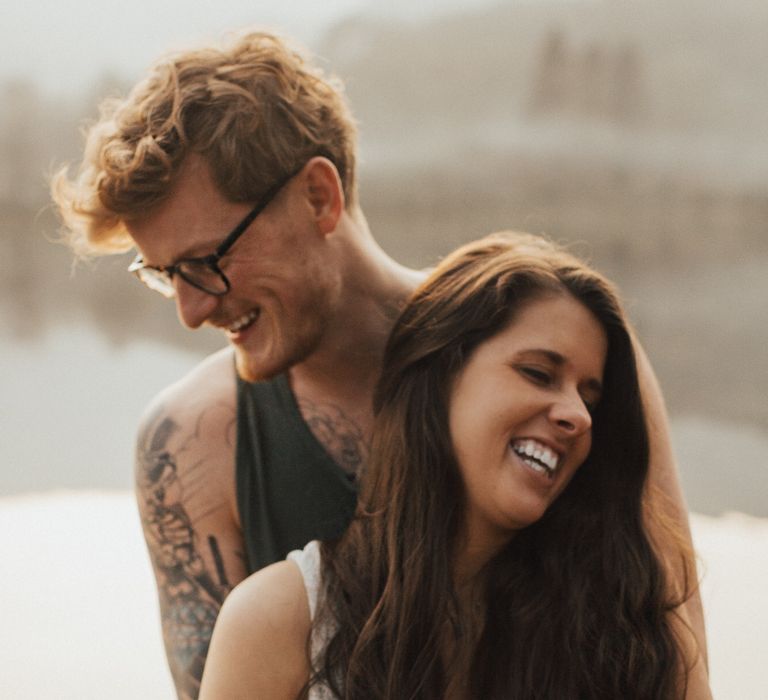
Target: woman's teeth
[(536, 455)]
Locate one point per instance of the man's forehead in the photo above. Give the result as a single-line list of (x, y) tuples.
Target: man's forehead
[(191, 221)]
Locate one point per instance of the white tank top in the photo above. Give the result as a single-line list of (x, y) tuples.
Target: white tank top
[(308, 561)]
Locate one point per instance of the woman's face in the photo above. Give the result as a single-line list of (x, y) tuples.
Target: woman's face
[(519, 414)]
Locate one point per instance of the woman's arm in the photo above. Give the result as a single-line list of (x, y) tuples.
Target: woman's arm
[(259, 644)]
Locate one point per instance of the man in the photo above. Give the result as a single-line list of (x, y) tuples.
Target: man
[(232, 171)]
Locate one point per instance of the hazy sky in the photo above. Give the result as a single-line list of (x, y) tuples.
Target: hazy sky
[(64, 46)]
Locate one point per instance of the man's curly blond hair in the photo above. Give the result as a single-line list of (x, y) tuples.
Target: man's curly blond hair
[(255, 110)]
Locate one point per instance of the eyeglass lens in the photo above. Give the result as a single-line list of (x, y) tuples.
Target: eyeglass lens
[(200, 275)]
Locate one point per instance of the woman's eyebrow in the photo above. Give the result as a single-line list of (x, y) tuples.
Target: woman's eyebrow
[(554, 357)]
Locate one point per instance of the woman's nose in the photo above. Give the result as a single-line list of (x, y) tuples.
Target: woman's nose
[(571, 414)]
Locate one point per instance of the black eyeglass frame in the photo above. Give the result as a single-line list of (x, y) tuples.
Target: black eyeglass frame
[(211, 261)]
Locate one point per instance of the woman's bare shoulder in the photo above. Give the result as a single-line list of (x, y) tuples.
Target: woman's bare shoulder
[(259, 644)]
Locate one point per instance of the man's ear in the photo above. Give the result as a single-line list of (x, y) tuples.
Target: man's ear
[(325, 193)]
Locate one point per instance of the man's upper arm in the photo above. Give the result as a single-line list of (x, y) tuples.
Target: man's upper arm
[(665, 494), (185, 492)]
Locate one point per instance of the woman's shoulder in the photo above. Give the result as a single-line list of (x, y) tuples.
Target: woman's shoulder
[(275, 594), (260, 639)]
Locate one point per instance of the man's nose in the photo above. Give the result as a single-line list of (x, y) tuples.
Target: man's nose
[(193, 305)]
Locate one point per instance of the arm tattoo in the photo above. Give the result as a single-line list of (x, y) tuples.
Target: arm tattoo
[(190, 598), (216, 554), (342, 437)]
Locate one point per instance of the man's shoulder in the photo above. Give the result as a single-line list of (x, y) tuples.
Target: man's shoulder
[(211, 383), (213, 379), (195, 415)]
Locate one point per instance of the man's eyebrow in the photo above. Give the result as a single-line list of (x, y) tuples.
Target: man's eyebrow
[(201, 249), (197, 250), (558, 360)]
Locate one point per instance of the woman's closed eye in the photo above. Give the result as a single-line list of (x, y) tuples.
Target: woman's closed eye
[(536, 374)]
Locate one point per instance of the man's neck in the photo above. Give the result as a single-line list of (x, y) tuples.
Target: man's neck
[(347, 362)]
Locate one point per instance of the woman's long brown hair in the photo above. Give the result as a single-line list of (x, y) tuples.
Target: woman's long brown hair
[(577, 606)]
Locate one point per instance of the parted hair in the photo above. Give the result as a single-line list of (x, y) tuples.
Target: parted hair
[(254, 109), (576, 605)]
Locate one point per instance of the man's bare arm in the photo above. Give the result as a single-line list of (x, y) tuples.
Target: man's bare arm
[(184, 457), (665, 493)]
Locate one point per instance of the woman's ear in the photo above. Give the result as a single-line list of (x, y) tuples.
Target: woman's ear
[(325, 193)]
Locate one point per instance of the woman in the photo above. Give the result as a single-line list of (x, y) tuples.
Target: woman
[(500, 548)]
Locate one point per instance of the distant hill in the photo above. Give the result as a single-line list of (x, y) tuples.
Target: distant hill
[(675, 74)]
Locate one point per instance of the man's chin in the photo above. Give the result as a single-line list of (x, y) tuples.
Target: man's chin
[(268, 365), (250, 370)]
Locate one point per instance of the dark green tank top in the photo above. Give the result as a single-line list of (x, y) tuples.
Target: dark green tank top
[(289, 490)]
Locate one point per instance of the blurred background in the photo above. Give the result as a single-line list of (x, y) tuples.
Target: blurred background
[(634, 131)]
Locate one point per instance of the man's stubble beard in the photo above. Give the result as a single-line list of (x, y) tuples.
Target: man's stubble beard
[(289, 339), (251, 368)]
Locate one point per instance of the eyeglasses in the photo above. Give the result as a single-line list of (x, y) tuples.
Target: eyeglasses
[(204, 272)]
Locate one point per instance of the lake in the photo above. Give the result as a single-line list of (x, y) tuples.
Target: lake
[(73, 401)]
